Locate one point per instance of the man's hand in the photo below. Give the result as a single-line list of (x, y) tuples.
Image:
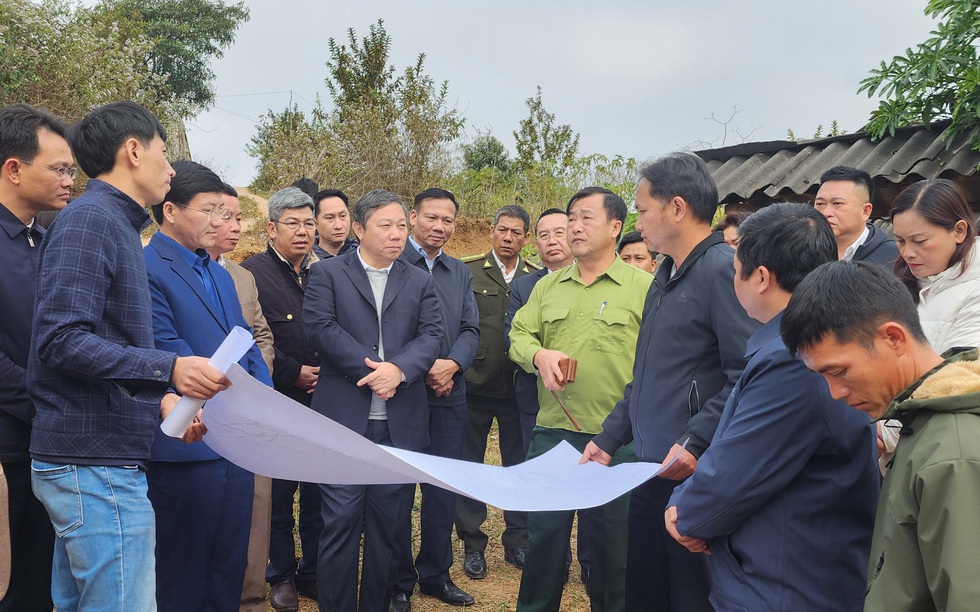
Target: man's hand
[(384, 380), (441, 374), (308, 375), (444, 390), (195, 377), (683, 467), (197, 429), (594, 453), (692, 544), (546, 361)]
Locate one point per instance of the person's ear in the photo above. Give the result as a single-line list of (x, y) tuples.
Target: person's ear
[(766, 279), (168, 212), (894, 336), (359, 230), (11, 170), (959, 231)]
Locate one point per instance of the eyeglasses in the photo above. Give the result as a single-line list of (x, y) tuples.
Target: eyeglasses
[(221, 213), (62, 172), (294, 225)]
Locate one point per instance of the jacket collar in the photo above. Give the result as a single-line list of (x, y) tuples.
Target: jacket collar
[(132, 211), (763, 336), (663, 276)]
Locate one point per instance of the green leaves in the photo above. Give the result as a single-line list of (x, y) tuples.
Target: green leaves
[(938, 79)]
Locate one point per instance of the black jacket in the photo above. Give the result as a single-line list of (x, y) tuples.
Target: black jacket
[(281, 297), (690, 353), (878, 248)]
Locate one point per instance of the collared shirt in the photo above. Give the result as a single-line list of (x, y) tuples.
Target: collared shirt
[(851, 250), (349, 245), (425, 256), (18, 256), (597, 324), (508, 276), (93, 371), (310, 259), (198, 261)]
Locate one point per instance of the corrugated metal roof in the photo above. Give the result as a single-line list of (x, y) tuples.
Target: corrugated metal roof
[(765, 171)]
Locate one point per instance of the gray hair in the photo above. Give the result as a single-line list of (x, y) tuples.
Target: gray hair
[(371, 201), (287, 199)]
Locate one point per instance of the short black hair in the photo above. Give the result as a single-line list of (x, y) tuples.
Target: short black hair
[(790, 240), (614, 205), (515, 212), (683, 175), (307, 186), (434, 193), (849, 300), (191, 178), (851, 175), (96, 137), (228, 190), (550, 211), (632, 238), (19, 125), (323, 194)]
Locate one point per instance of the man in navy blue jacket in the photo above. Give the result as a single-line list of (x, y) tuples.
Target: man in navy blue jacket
[(784, 498), (95, 376), (376, 323), (203, 503), (433, 220)]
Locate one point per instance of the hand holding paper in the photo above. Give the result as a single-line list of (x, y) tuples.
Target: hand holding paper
[(231, 350)]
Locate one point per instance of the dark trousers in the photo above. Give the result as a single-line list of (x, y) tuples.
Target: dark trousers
[(447, 430), (31, 544), (543, 578), (282, 546), (661, 574), (377, 510), (203, 515), (471, 514)]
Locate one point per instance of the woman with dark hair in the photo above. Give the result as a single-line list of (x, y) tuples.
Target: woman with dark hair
[(936, 234), (729, 226)]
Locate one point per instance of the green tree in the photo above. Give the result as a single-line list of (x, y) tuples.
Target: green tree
[(487, 152), (386, 128), (185, 36), (939, 79), (540, 141)]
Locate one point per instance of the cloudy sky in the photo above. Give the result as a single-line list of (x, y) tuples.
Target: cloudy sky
[(633, 78)]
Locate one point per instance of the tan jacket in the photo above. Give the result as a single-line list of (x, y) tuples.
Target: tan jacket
[(248, 295)]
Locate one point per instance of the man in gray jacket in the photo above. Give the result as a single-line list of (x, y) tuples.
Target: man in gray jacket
[(690, 353)]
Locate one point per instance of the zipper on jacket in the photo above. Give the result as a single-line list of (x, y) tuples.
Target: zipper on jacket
[(656, 310), (874, 574)]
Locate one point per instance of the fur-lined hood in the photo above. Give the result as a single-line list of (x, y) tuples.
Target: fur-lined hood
[(953, 386)]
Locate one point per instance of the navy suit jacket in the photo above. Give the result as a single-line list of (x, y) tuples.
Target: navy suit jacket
[(525, 383), (342, 325), (186, 322)]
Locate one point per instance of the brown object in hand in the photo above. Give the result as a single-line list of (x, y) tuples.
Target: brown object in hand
[(568, 367)]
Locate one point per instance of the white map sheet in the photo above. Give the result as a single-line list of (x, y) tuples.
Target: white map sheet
[(267, 433)]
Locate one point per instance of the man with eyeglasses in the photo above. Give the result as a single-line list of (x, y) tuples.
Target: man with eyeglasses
[(281, 275), (203, 502), (96, 377), (36, 175)]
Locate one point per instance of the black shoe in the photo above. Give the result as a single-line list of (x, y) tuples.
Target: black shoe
[(400, 602), (307, 589), (448, 592), (283, 597), (515, 556), (475, 565)]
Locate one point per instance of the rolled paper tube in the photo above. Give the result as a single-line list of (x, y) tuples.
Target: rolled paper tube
[(231, 350)]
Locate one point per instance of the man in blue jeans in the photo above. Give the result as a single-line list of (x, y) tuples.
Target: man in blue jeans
[(97, 382)]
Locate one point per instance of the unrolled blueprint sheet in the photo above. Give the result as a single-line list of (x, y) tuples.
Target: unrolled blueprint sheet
[(267, 433)]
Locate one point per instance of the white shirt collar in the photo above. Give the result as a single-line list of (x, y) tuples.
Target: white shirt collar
[(429, 262), (366, 265), (503, 269), (851, 250)]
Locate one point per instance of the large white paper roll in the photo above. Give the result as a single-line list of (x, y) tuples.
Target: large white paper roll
[(231, 350)]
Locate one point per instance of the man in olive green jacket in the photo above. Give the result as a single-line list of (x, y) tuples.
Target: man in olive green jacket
[(869, 346)]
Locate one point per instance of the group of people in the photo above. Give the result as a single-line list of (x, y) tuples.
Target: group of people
[(744, 371)]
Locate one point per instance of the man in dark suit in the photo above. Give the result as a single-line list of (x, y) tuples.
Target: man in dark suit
[(844, 198), (202, 502), (375, 321), (490, 387)]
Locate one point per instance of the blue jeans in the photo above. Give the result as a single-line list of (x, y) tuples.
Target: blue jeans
[(103, 553)]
